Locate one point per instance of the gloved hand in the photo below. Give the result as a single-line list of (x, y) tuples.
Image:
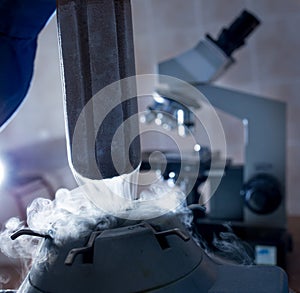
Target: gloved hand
[(20, 23)]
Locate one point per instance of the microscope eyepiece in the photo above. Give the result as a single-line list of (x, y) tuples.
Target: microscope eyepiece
[(234, 37)]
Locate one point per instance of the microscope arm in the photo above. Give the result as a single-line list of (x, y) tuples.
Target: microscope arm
[(264, 122)]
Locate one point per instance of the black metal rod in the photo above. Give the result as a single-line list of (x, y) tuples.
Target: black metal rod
[(29, 232)]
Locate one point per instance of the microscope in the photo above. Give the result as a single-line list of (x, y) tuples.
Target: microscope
[(251, 197)]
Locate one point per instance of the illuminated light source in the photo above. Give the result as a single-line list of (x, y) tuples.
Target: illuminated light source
[(245, 122), (181, 130), (170, 183), (172, 175), (143, 119), (157, 98), (180, 122), (197, 147), (2, 172), (166, 126), (159, 118), (158, 121), (180, 117)]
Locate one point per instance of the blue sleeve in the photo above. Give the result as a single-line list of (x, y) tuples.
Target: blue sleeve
[(20, 23)]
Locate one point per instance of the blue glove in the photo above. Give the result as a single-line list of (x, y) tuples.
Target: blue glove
[(20, 23)]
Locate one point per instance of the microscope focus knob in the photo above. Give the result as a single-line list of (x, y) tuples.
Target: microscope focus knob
[(262, 194)]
